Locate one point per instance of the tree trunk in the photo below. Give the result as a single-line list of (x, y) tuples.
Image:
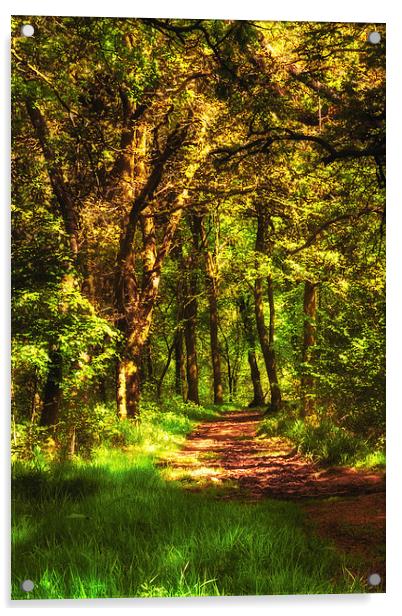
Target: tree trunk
[(190, 321), (148, 360), (146, 365), (135, 302), (211, 279), (133, 386), (266, 341), (52, 391), (258, 397), (121, 390), (266, 337), (67, 209), (216, 357), (159, 382), (72, 443), (180, 364), (60, 185), (230, 378), (190, 312), (309, 341), (180, 385)]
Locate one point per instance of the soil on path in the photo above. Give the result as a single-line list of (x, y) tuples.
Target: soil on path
[(228, 451), (345, 505)]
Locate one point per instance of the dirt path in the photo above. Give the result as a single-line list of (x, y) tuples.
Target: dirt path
[(345, 505), (226, 451)]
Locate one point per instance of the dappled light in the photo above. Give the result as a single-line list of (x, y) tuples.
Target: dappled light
[(262, 468), (198, 307)]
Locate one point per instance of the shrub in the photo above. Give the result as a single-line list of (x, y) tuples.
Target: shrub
[(318, 437)]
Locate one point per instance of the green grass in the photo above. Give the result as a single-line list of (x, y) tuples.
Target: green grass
[(323, 440), (113, 527)]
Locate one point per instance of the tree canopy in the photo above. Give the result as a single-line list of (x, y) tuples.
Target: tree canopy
[(198, 210)]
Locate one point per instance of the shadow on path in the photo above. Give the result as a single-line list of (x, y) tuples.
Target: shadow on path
[(227, 451), (344, 505)]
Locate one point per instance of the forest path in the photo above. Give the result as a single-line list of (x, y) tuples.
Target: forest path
[(344, 505), (227, 453)]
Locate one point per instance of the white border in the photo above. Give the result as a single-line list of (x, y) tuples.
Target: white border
[(295, 10)]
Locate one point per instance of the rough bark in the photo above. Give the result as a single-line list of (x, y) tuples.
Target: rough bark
[(133, 385), (135, 301), (309, 341)]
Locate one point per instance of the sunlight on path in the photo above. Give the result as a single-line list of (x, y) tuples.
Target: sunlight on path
[(227, 453)]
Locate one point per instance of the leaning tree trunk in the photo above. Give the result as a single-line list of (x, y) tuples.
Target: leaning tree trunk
[(258, 397), (309, 341)]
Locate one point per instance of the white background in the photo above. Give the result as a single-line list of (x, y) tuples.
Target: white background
[(295, 10)]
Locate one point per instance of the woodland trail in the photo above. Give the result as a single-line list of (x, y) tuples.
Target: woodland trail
[(344, 505), (227, 452)]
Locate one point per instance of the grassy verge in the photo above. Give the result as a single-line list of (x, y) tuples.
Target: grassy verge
[(112, 527), (324, 441)]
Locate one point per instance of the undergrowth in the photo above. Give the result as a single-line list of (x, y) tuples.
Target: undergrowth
[(323, 440), (162, 425), (113, 528), (109, 525)]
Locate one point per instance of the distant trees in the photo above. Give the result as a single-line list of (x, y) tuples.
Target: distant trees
[(181, 190)]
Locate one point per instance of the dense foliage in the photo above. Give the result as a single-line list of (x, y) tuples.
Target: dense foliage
[(198, 213)]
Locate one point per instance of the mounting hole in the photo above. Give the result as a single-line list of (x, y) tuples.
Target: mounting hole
[(27, 585), (27, 30), (374, 579), (374, 37)]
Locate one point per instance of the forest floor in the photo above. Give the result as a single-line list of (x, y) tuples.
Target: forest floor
[(230, 513), (344, 505)]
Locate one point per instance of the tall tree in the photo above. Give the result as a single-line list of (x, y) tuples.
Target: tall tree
[(266, 335), (309, 341), (190, 311), (245, 312), (212, 292)]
